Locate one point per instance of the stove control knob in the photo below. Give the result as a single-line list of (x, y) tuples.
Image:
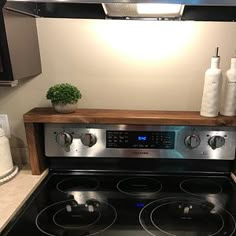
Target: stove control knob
[(192, 141), (88, 139), (64, 139), (216, 142)]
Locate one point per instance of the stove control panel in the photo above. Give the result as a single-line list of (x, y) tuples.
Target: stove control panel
[(139, 141)]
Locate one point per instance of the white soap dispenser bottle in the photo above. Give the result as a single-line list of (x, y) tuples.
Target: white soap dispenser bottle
[(229, 102), (212, 87)]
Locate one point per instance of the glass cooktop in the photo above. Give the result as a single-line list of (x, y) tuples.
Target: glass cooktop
[(136, 205)]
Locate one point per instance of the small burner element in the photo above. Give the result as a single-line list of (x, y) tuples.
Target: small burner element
[(69, 218), (77, 184), (200, 186), (139, 186), (186, 216)]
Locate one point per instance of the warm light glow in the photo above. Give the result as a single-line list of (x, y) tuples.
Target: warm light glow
[(145, 40), (159, 9)]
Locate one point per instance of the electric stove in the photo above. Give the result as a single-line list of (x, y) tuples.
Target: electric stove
[(133, 180)]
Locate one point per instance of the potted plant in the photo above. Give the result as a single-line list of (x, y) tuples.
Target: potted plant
[(64, 97)]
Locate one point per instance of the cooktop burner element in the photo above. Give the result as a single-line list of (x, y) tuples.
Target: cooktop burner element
[(69, 218), (77, 184), (200, 186), (139, 186), (186, 216), (131, 180), (147, 205)]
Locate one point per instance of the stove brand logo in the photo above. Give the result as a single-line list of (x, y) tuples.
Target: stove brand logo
[(140, 153)]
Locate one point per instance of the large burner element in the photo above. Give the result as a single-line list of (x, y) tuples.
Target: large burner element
[(139, 186), (69, 218), (200, 186), (186, 216)]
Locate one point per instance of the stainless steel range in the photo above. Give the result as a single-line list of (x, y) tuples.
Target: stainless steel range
[(133, 180)]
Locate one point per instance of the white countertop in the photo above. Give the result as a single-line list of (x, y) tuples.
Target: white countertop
[(14, 193)]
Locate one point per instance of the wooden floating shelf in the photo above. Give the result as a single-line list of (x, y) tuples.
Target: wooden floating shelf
[(135, 117), (35, 119)]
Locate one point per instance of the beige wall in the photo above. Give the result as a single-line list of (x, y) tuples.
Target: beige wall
[(121, 64)]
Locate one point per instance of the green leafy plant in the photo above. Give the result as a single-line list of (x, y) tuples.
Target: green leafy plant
[(63, 93)]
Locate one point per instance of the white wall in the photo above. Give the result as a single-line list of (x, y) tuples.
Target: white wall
[(121, 64)]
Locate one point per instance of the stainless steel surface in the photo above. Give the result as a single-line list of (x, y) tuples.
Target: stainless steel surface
[(22, 59), (185, 2), (180, 151), (25, 57), (27, 8), (8, 83), (130, 10)]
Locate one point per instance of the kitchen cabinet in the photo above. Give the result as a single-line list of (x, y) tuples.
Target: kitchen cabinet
[(19, 47)]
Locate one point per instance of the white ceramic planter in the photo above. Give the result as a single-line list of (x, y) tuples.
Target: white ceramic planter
[(65, 108)]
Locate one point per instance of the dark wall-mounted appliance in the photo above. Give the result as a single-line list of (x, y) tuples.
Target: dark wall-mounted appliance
[(19, 47)]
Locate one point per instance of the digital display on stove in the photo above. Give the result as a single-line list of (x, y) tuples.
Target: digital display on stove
[(139, 205), (140, 139)]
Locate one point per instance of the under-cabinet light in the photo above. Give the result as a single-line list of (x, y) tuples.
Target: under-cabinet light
[(160, 9), (143, 10)]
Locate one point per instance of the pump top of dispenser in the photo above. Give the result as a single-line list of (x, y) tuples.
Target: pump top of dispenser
[(216, 53), (215, 60)]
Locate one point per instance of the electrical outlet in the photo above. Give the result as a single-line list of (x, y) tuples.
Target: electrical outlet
[(4, 124)]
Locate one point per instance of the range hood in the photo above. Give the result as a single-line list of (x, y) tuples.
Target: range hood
[(184, 2), (200, 10)]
